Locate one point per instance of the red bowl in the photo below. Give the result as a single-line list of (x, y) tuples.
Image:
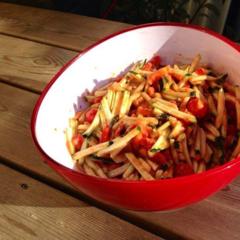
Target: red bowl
[(62, 97)]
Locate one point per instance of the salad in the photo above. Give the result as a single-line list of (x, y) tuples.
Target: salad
[(157, 122)]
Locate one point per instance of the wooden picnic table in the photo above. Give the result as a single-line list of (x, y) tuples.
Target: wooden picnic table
[(36, 203)]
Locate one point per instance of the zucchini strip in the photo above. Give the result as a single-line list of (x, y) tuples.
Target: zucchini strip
[(118, 143), (202, 143), (176, 113), (195, 63), (128, 171), (161, 143), (125, 103), (118, 171), (84, 146), (211, 105), (93, 125), (211, 128), (137, 164), (186, 152), (220, 108), (90, 150), (105, 108)]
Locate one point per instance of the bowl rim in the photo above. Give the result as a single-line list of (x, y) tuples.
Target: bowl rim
[(37, 106)]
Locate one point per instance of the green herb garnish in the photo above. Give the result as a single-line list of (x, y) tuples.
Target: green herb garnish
[(187, 75), (114, 120), (219, 142), (163, 116), (222, 158), (139, 128), (103, 159), (133, 72), (176, 145), (197, 151), (110, 143), (238, 133), (213, 89), (154, 150), (164, 167), (144, 62), (192, 94)]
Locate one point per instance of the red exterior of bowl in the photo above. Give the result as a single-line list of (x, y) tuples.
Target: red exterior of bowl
[(145, 195), (152, 195)]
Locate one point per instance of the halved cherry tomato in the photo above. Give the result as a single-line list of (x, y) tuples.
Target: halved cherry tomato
[(77, 141), (182, 169), (197, 107), (200, 71), (90, 115), (105, 134)]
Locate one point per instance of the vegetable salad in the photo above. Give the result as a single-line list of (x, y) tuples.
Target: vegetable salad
[(157, 122)]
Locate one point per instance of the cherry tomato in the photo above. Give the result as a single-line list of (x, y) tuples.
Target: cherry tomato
[(145, 111), (90, 115), (105, 134), (197, 158), (155, 61), (231, 111), (77, 141), (148, 66), (118, 79), (111, 166), (157, 75), (97, 99), (200, 71), (182, 169), (160, 158), (142, 140), (142, 145), (197, 107), (231, 132), (151, 91), (119, 130)]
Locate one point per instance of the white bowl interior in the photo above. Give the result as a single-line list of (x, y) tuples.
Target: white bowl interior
[(109, 59)]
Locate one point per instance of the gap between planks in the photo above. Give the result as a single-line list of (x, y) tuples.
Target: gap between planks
[(20, 86), (168, 225), (26, 213), (132, 219), (77, 50)]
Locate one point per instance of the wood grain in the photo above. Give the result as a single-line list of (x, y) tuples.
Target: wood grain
[(32, 210), (214, 218), (30, 64), (65, 30)]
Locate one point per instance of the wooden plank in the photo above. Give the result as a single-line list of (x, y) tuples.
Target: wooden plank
[(57, 28), (16, 107), (214, 218), (27, 212), (29, 64)]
